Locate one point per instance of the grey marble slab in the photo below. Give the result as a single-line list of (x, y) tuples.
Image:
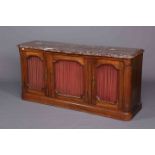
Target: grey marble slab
[(117, 52)]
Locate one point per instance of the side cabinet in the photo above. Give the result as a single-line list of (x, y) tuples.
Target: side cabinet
[(99, 80)]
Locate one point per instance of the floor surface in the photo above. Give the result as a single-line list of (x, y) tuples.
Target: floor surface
[(18, 114)]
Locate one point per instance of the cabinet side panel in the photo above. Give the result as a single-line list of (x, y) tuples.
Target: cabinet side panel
[(35, 73), (22, 70), (107, 83), (136, 82), (69, 78)]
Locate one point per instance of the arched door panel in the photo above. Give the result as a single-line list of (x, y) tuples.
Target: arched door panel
[(67, 76), (34, 73), (107, 83)]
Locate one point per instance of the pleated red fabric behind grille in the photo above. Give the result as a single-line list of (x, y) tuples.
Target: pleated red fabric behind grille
[(107, 83), (35, 73), (69, 78)]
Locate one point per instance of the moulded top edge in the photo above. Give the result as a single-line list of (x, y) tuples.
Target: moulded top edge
[(117, 52)]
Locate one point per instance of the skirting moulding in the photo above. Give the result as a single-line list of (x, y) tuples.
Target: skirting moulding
[(96, 79)]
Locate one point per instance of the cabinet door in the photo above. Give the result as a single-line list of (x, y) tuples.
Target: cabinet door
[(67, 80), (107, 83), (33, 71)]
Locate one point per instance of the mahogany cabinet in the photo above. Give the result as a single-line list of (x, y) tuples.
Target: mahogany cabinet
[(95, 79)]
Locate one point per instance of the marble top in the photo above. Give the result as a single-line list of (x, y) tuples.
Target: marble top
[(117, 52)]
